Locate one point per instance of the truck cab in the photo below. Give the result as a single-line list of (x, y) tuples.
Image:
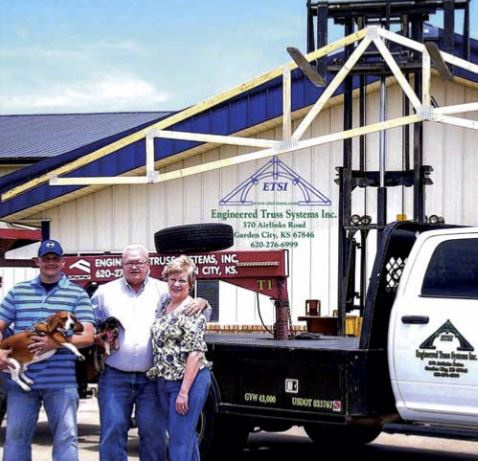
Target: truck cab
[(432, 341)]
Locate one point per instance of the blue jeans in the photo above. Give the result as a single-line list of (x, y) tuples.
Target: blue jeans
[(183, 443), (61, 406), (118, 393)]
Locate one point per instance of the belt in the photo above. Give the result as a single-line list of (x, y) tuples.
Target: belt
[(126, 372)]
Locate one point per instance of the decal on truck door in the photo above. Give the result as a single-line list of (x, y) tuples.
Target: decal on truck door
[(446, 353), (447, 333)]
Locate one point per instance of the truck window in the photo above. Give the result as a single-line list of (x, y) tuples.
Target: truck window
[(453, 270)]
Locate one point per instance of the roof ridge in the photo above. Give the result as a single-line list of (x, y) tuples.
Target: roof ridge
[(91, 113)]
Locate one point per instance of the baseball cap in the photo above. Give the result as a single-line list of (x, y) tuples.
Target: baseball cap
[(50, 246)]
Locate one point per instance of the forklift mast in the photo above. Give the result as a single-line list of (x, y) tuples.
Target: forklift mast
[(409, 18)]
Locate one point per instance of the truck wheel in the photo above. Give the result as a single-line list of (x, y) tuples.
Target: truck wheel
[(194, 238), (219, 434), (353, 435)]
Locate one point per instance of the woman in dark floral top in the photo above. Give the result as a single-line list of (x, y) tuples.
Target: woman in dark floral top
[(179, 364)]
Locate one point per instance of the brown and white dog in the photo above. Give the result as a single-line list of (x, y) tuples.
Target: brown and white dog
[(59, 327)]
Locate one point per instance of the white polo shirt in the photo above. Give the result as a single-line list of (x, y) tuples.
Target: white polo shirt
[(136, 311)]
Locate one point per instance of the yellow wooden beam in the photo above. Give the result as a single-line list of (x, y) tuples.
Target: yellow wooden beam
[(180, 116), (458, 108), (402, 81), (330, 90), (305, 144), (426, 79), (456, 121), (286, 103), (252, 156), (400, 39), (103, 180), (213, 138)]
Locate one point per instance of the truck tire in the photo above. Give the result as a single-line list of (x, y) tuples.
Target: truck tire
[(352, 435), (218, 434), (194, 238)]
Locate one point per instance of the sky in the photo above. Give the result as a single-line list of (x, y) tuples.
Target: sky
[(77, 56)]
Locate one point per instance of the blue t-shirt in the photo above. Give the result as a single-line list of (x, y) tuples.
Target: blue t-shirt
[(28, 303)]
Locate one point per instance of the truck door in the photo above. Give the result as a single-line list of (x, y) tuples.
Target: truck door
[(433, 335)]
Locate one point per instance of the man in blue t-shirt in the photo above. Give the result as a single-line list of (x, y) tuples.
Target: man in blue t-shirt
[(54, 379)]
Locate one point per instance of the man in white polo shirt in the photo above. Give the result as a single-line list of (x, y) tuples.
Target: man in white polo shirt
[(123, 385)]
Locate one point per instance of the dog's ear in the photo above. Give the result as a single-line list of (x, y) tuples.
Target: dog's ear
[(78, 328), (111, 323), (53, 322), (118, 324), (101, 325)]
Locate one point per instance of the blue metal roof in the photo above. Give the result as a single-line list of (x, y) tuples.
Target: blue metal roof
[(35, 137), (240, 112)]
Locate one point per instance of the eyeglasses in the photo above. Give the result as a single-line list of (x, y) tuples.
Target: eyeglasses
[(136, 263), (180, 281)]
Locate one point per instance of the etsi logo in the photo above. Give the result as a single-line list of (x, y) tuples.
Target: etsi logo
[(275, 186), (82, 265), (275, 176)]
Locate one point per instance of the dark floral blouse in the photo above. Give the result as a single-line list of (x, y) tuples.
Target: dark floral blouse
[(175, 335)]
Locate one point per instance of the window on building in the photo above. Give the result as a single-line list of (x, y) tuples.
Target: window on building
[(453, 270)]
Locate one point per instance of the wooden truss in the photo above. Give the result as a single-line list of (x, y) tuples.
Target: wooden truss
[(292, 141)]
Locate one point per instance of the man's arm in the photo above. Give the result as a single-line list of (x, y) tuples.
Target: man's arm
[(197, 306), (4, 353), (100, 314), (99, 308), (86, 337), (85, 313)]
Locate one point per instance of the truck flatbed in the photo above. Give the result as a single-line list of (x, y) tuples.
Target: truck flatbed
[(294, 380), (257, 339)]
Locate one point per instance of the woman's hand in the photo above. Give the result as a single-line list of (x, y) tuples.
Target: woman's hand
[(182, 403)]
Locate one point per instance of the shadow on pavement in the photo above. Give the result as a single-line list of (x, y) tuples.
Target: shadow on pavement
[(273, 446), (265, 446)]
